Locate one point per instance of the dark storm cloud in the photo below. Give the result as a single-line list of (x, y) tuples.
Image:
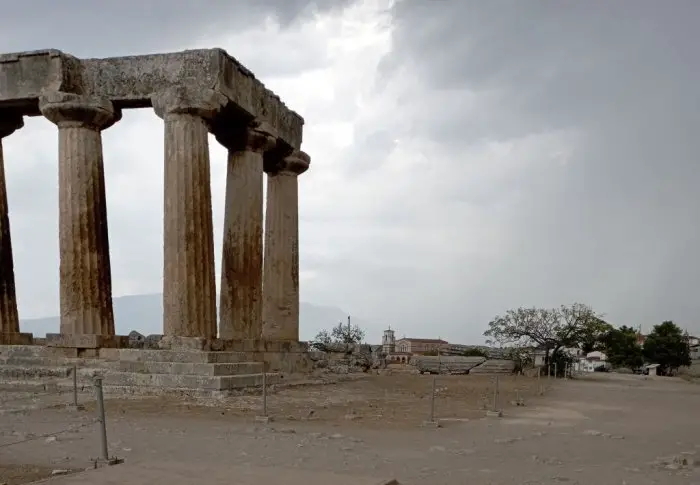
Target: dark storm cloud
[(137, 27), (615, 227)]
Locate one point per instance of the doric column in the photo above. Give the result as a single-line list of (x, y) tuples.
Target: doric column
[(281, 263), (189, 286), (240, 308), (9, 321), (85, 272)]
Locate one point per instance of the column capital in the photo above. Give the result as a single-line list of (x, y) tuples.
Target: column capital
[(68, 109), (203, 103), (257, 136), (9, 124), (294, 164)]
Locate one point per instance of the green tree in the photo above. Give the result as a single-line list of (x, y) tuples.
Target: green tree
[(347, 334), (521, 356), (667, 346), (559, 361), (593, 335), (338, 335), (621, 348), (570, 326)]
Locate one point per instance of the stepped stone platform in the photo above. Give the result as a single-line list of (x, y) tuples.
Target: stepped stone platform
[(494, 366), (446, 364), (183, 367)]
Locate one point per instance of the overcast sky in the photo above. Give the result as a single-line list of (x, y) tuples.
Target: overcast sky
[(467, 156)]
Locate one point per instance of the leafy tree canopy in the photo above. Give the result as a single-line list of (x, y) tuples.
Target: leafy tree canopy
[(667, 346), (340, 334), (570, 326), (621, 347)]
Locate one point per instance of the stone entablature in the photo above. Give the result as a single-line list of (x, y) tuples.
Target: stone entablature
[(131, 81)]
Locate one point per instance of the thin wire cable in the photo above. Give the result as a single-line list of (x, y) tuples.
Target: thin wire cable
[(47, 435), (33, 396)]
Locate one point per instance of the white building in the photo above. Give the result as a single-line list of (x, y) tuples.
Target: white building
[(653, 370), (388, 342), (592, 360), (695, 352)]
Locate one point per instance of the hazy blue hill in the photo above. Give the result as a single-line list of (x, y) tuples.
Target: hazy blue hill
[(143, 313)]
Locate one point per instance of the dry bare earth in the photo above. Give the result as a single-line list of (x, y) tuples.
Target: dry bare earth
[(605, 429)]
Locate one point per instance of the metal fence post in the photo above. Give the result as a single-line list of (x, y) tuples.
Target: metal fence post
[(75, 385), (495, 396), (432, 401), (101, 418), (555, 370), (264, 393), (264, 417)]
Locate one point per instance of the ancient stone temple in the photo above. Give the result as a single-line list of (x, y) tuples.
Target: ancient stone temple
[(195, 93)]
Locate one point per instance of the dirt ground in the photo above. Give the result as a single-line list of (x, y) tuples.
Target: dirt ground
[(602, 429)]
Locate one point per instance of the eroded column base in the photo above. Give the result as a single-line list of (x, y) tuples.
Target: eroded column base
[(16, 338)]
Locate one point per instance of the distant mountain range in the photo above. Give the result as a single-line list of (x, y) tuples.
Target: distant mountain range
[(144, 313)]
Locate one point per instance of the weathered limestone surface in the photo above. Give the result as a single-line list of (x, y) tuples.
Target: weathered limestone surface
[(196, 93), (132, 81), (86, 341), (9, 321), (16, 339), (189, 286), (85, 272), (240, 307), (281, 263)]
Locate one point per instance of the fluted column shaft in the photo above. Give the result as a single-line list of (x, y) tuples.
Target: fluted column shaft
[(240, 308), (85, 271), (189, 286), (281, 262), (9, 320)]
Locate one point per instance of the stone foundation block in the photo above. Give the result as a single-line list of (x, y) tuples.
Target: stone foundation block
[(170, 342), (182, 356), (16, 339), (86, 341), (288, 362), (281, 346), (227, 345), (186, 368), (7, 351), (174, 381), (43, 352), (73, 352), (33, 372)]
